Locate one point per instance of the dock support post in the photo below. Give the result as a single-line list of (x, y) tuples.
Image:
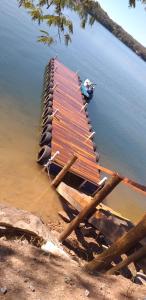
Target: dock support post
[(131, 258), (122, 245), (89, 209), (63, 172)]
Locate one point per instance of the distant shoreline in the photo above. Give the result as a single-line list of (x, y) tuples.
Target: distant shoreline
[(102, 17)]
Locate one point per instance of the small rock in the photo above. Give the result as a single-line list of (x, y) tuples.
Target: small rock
[(32, 288), (68, 280), (3, 290), (87, 293)]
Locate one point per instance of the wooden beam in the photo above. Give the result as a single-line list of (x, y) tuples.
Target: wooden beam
[(131, 258), (90, 208), (64, 171), (135, 185), (122, 245)]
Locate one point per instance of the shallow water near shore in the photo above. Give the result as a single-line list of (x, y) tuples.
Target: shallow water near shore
[(118, 110)]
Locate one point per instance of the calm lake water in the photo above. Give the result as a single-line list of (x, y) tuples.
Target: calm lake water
[(118, 110)]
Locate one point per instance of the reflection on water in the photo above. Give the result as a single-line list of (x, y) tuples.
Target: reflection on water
[(118, 110), (22, 182)]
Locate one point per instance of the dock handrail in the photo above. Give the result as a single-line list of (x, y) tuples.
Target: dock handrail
[(135, 185)]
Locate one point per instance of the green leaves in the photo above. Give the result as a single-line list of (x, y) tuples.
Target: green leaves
[(47, 40), (91, 20), (36, 15), (28, 4), (132, 3), (52, 13)]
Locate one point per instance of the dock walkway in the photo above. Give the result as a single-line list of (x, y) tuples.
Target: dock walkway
[(71, 128)]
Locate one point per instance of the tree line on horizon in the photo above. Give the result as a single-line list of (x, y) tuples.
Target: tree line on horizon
[(132, 3)]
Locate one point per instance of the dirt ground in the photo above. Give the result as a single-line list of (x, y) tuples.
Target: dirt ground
[(28, 273)]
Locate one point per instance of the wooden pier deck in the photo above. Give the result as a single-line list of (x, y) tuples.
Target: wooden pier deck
[(70, 127)]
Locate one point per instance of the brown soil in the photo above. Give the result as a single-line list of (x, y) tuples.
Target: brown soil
[(28, 273)]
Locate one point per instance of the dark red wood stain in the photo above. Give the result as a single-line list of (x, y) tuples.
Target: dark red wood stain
[(70, 128)]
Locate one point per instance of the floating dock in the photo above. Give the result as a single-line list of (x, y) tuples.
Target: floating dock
[(71, 129)]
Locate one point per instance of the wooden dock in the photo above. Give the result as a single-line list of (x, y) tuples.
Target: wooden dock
[(71, 128)]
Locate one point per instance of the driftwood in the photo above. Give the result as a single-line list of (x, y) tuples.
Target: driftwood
[(122, 245), (110, 223), (90, 208)]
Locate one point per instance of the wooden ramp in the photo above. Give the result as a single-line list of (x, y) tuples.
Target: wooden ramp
[(71, 128)]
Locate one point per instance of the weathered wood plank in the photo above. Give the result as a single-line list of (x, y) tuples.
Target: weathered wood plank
[(72, 129)]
